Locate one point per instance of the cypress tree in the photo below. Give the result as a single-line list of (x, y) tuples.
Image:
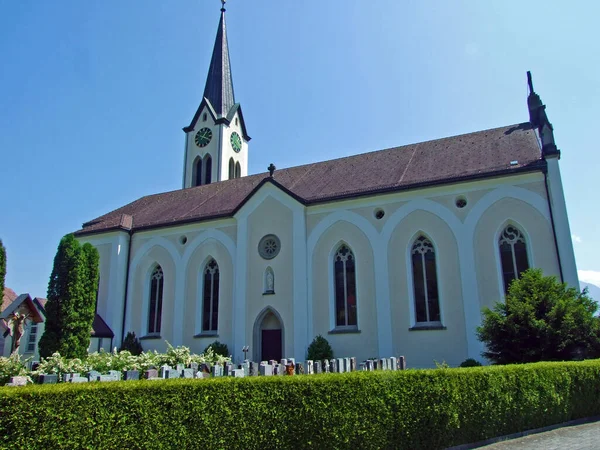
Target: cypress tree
[(2, 269), (71, 300)]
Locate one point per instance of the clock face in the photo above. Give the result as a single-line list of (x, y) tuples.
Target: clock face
[(236, 142), (203, 137)]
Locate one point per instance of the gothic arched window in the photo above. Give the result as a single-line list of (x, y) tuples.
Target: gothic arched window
[(208, 169), (155, 303), (210, 300), (427, 302), (238, 170), (513, 254), (197, 181), (231, 169), (344, 267)]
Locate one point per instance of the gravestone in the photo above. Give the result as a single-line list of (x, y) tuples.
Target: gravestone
[(347, 367), (309, 367), (187, 373), (130, 375), (237, 373), (93, 375), (292, 360), (194, 367), (284, 362), (265, 370), (79, 380), (370, 365), (340, 365), (299, 368), (180, 367), (115, 374), (381, 364), (253, 369), (163, 370), (172, 373), (246, 368), (326, 366), (402, 363), (333, 366), (394, 363), (228, 370), (69, 376), (376, 365), (106, 378), (18, 381), (48, 378), (151, 374), (362, 366), (217, 370), (202, 375), (318, 367), (352, 364)]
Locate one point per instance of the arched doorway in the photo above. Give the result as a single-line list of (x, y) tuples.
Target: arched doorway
[(268, 336)]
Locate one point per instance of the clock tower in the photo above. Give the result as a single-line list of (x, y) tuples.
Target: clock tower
[(216, 141)]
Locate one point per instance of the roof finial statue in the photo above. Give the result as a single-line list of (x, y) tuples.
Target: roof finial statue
[(223, 5), (530, 82), (271, 169)]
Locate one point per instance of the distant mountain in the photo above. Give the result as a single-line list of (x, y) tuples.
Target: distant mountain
[(593, 291)]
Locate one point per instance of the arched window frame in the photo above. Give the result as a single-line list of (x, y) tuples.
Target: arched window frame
[(197, 174), (238, 170), (231, 169), (437, 324), (530, 263), (208, 172), (347, 327), (215, 288), (155, 293)]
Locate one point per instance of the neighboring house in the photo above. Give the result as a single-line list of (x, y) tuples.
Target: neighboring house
[(102, 336), (34, 326), (385, 253)]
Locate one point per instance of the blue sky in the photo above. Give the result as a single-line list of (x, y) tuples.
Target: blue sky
[(93, 96)]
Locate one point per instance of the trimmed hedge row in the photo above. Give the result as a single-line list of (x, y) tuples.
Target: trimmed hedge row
[(410, 409)]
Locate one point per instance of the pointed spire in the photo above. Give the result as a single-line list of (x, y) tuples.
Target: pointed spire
[(539, 119), (219, 83)]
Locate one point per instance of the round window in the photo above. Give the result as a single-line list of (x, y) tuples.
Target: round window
[(269, 246)]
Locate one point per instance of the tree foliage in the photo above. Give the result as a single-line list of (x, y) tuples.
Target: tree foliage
[(2, 269), (132, 344), (542, 320), (319, 349), (71, 300), (218, 348)]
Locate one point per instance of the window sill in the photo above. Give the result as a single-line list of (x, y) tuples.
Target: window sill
[(427, 327), (206, 334), (150, 337), (269, 293), (344, 331)]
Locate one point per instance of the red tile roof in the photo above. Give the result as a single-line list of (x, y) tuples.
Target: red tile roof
[(442, 161), (8, 297)]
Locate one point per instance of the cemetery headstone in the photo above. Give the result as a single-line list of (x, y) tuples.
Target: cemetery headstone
[(309, 367), (93, 375), (237, 373), (340, 365), (352, 364), (266, 370), (292, 360), (402, 363), (187, 373), (163, 370), (284, 362), (394, 363), (253, 369), (347, 365), (131, 375), (194, 367), (151, 374), (333, 366), (362, 366), (299, 368), (115, 374), (180, 367), (79, 380), (18, 381), (48, 378)]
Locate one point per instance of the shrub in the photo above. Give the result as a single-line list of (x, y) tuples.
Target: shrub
[(132, 344), (470, 362), (319, 349), (218, 348), (542, 320), (11, 367), (431, 409)]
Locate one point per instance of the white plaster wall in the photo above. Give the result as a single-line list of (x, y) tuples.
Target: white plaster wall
[(363, 345), (422, 347)]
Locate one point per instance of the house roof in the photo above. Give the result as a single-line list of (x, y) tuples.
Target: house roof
[(100, 329), (8, 297), (24, 299), (495, 152)]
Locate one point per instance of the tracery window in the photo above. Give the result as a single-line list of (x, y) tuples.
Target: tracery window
[(427, 302), (198, 172), (513, 254), (345, 287), (210, 301), (156, 298), (231, 169)]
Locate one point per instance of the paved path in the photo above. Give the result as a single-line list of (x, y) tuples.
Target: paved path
[(577, 437)]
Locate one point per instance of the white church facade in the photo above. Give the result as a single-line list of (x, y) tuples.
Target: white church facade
[(386, 253)]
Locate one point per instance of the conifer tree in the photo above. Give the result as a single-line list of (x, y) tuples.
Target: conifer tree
[(71, 300), (2, 269)]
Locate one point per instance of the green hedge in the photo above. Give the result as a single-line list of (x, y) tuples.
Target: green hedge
[(411, 409)]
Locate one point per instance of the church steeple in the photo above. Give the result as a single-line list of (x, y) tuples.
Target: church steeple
[(216, 145), (219, 82)]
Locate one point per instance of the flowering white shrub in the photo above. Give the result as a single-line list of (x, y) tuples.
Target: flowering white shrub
[(12, 366)]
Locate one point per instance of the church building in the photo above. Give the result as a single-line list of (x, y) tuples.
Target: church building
[(388, 253)]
